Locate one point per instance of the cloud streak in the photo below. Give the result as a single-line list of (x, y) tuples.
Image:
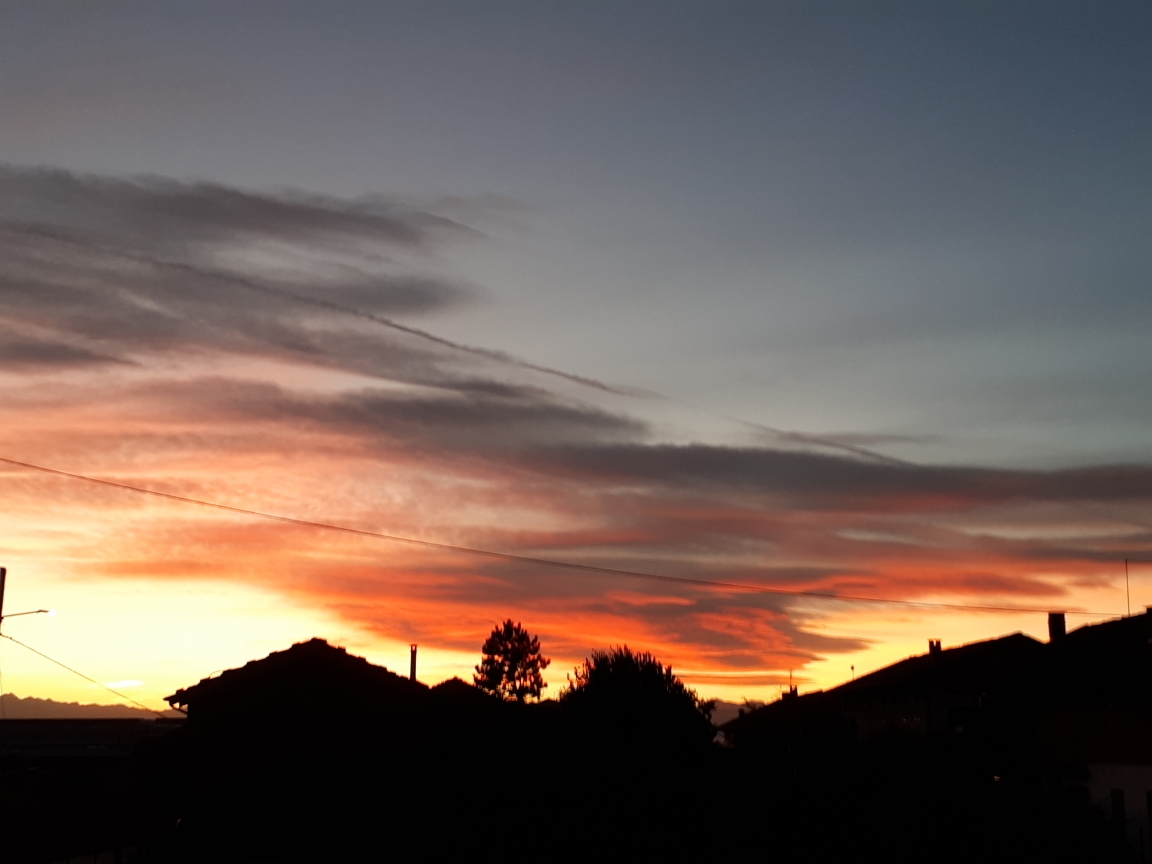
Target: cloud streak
[(201, 239), (167, 347)]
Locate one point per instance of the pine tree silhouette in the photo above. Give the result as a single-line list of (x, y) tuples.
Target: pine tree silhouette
[(512, 663)]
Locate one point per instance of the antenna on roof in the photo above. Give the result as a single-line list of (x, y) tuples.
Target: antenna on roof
[(792, 691)]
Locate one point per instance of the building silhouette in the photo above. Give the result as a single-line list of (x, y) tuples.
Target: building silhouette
[(1007, 749), (1066, 726)]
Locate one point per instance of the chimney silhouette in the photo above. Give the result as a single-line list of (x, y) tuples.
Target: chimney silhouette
[(1056, 626), (933, 646), (412, 674), (793, 690)]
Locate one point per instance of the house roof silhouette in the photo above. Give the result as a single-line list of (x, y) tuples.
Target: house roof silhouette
[(1105, 663), (1098, 668), (976, 666), (309, 679)]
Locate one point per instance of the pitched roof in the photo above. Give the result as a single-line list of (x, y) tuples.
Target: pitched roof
[(975, 666), (1108, 663), (310, 678)]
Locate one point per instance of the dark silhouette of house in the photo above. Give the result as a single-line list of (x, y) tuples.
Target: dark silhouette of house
[(1057, 734), (1007, 749), (307, 754), (1094, 724), (1097, 670), (314, 754), (945, 692), (309, 680)]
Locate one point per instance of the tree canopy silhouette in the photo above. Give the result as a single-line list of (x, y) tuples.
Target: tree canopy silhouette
[(512, 664), (634, 692)]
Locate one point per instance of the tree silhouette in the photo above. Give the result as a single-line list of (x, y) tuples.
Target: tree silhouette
[(634, 693), (512, 663)]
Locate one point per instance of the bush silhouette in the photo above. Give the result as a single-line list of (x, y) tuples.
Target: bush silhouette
[(512, 663), (634, 696)]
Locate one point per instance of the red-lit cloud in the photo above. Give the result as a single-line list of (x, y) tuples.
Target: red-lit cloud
[(151, 333)]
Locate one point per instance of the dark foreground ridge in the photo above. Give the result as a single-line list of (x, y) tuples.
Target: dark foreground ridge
[(1008, 749)]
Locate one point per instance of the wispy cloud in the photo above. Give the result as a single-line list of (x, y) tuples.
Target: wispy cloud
[(148, 333), (160, 265)]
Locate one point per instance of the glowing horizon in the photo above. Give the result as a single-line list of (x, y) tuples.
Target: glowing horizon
[(845, 300), (225, 386)]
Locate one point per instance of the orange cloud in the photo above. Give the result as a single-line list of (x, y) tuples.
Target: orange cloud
[(222, 386)]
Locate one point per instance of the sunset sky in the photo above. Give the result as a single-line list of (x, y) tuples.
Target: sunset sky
[(847, 298)]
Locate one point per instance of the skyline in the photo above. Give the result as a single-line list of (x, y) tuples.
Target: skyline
[(817, 299)]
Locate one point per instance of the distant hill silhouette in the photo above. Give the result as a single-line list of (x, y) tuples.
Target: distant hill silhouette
[(31, 708), (724, 710)]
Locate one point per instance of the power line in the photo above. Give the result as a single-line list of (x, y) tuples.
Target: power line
[(1127, 587), (526, 559), (82, 675)]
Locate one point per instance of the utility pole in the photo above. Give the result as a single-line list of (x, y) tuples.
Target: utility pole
[(3, 580), (412, 674)]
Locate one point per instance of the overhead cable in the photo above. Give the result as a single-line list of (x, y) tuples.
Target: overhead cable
[(526, 559), (82, 675)]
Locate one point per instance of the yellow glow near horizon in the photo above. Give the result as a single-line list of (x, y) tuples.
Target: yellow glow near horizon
[(183, 632), (166, 593)]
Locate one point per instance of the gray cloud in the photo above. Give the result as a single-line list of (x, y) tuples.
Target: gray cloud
[(158, 214), (78, 291), (157, 265), (126, 306), (19, 352), (471, 419), (825, 481), (400, 295)]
